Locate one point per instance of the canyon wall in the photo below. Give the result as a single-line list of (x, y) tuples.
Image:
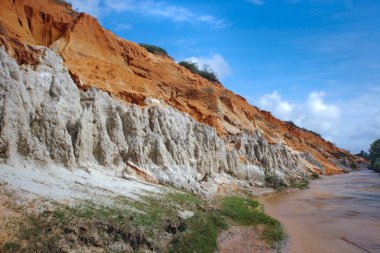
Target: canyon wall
[(46, 118)]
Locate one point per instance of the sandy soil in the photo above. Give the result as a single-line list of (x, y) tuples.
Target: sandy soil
[(241, 239)]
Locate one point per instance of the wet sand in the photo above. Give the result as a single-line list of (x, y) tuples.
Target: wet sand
[(337, 214)]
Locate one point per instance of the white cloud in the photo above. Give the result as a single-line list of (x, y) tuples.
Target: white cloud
[(314, 113), (155, 8), (352, 124), (277, 105), (216, 63), (256, 2)]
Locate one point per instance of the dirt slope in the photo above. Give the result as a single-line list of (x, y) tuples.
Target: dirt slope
[(97, 57)]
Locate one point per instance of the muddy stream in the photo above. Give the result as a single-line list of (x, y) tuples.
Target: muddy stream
[(337, 214)]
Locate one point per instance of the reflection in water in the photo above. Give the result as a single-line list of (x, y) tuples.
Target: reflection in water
[(337, 214)]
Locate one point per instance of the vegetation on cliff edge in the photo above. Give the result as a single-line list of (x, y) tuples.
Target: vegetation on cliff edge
[(154, 49), (205, 73)]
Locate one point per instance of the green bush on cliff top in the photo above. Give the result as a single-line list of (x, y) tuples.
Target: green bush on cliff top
[(205, 73), (154, 49)]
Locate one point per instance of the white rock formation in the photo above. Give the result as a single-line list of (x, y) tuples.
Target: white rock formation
[(44, 117)]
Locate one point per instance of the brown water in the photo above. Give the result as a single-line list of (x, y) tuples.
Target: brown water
[(337, 214)]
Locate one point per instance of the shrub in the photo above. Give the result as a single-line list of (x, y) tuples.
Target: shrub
[(63, 2), (374, 154), (363, 154), (154, 49), (209, 90), (304, 129), (192, 66), (376, 165), (205, 73), (274, 182)]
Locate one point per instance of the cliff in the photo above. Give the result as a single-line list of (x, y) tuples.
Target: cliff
[(75, 94)]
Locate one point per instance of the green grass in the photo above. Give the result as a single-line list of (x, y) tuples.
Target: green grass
[(10, 247), (249, 213), (200, 234), (184, 198), (86, 225), (315, 176), (303, 184), (140, 224), (240, 210), (148, 224)]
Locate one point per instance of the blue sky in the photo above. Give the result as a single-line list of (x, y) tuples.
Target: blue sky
[(315, 62)]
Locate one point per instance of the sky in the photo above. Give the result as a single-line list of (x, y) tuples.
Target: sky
[(314, 62)]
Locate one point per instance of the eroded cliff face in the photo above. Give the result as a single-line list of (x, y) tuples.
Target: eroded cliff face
[(102, 101), (45, 117)]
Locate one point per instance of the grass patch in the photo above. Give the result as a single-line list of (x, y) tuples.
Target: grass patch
[(124, 225), (315, 176), (242, 211), (275, 182), (249, 212), (185, 200), (303, 184), (200, 234), (154, 223), (10, 247), (87, 225)]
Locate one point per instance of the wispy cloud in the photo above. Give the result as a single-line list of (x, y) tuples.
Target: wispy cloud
[(257, 2), (160, 9)]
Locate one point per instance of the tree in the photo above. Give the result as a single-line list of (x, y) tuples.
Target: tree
[(363, 154), (374, 155)]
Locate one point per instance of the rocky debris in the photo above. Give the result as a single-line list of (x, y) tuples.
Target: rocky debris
[(46, 118)]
